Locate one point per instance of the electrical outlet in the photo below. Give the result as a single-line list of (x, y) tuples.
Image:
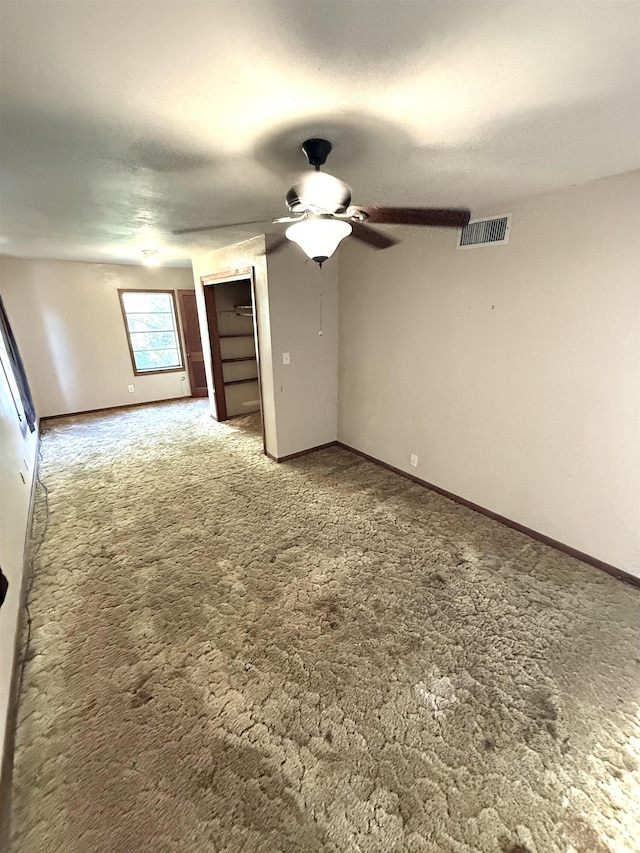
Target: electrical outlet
[(286, 358), (131, 389), (414, 460)]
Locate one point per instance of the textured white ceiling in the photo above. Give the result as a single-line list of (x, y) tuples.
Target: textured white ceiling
[(123, 120)]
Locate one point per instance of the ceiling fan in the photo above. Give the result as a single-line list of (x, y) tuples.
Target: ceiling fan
[(322, 213)]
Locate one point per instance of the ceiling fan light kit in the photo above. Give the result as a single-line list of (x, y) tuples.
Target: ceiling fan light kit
[(319, 236), (321, 204)]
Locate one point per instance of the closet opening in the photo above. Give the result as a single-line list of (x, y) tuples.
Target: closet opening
[(235, 359)]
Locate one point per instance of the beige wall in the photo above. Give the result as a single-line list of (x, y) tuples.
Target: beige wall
[(511, 371), (306, 390), (67, 320), (17, 463), (299, 399)]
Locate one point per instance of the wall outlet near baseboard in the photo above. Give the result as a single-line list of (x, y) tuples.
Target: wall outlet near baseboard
[(413, 459), (131, 389)]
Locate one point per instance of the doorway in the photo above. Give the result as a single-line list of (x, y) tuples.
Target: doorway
[(233, 336), (193, 342)]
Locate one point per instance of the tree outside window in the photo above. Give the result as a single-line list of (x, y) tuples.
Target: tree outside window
[(152, 330)]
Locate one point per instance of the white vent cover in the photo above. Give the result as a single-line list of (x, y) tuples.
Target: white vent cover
[(485, 232)]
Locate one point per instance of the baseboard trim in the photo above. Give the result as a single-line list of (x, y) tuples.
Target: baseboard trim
[(121, 408), (620, 574), (301, 452), (6, 771)]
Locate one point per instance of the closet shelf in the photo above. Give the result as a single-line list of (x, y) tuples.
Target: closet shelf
[(240, 311), (250, 335), (242, 358), (241, 381)]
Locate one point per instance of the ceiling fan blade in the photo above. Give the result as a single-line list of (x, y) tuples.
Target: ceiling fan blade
[(287, 219), (371, 237), (442, 217), (214, 227)]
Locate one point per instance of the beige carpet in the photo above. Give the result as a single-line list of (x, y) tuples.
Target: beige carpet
[(234, 655)]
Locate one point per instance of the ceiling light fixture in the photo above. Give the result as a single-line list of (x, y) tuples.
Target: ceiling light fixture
[(319, 236), (151, 257)]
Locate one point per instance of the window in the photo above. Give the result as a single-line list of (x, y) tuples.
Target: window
[(13, 370), (152, 330)]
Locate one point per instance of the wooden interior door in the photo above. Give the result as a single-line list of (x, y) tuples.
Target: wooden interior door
[(217, 395), (193, 343)]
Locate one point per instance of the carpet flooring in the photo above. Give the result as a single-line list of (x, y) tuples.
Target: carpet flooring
[(234, 655)]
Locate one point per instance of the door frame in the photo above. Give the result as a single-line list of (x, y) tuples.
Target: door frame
[(208, 283), (181, 294)]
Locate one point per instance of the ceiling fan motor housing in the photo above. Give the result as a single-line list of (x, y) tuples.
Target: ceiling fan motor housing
[(293, 201), (320, 192)]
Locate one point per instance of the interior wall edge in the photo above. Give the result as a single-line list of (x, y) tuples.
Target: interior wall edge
[(300, 453), (104, 409), (11, 719), (615, 571)]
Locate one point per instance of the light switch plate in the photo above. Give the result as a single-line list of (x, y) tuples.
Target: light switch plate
[(286, 358)]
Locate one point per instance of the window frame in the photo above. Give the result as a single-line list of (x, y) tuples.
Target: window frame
[(172, 293)]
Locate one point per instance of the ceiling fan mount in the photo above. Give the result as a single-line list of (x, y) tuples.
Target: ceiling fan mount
[(323, 214), (317, 151)]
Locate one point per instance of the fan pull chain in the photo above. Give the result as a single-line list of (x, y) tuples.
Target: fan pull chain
[(320, 295)]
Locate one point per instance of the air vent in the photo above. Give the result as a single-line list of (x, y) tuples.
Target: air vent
[(485, 232)]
